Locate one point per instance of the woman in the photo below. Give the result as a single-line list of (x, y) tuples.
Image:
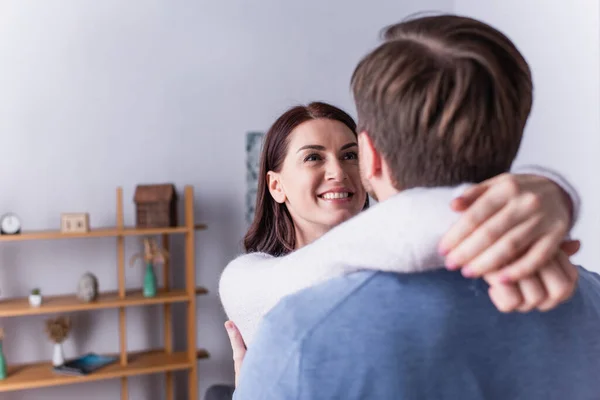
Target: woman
[(312, 184)]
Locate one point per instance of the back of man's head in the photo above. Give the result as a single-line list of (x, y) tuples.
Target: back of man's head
[(444, 99)]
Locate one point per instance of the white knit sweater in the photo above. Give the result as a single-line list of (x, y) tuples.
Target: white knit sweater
[(400, 234)]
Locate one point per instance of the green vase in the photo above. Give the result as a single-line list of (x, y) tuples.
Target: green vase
[(149, 281), (3, 367)]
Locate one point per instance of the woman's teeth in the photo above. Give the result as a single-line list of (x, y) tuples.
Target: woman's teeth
[(337, 195)]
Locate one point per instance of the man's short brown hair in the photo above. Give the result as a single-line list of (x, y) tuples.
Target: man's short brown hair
[(445, 100)]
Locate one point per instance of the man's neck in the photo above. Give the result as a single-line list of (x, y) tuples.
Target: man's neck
[(384, 191)]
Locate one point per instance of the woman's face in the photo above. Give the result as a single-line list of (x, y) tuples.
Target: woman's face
[(319, 180)]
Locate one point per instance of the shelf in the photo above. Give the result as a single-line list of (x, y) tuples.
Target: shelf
[(67, 303), (37, 375), (164, 360), (96, 233)]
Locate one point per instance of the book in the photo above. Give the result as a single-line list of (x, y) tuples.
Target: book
[(84, 365)]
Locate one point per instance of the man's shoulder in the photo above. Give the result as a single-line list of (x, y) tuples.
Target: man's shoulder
[(272, 364), (297, 314), (369, 292)]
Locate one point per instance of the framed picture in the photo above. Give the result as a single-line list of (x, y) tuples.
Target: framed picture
[(254, 142)]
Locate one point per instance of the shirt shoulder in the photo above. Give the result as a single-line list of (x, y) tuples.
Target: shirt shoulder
[(296, 315), (272, 367)]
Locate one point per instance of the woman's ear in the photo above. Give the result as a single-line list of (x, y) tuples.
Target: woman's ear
[(275, 187)]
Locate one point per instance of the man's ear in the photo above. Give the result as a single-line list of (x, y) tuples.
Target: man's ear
[(275, 187), (370, 159)]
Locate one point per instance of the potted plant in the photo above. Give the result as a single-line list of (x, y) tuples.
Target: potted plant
[(35, 298)]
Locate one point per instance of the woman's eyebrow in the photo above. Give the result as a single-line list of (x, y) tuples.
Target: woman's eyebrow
[(322, 148), (312, 147)]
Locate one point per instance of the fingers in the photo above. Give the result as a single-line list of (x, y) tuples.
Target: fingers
[(237, 345), (567, 267), (523, 296), (475, 215), (535, 257), (506, 297), (552, 285), (559, 286), (570, 247), (495, 244), (533, 293), (469, 196)]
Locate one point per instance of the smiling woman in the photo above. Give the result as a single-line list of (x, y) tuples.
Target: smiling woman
[(310, 161)]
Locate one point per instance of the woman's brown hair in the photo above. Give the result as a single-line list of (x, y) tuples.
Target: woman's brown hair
[(272, 230)]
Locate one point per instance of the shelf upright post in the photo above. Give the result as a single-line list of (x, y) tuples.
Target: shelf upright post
[(190, 286), (121, 275), (168, 327)]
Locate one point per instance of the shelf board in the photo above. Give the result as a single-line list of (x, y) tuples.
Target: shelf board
[(96, 233), (67, 303), (37, 375)]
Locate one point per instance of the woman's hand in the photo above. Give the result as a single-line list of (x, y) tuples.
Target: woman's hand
[(515, 223), (552, 285), (237, 345), (509, 234)]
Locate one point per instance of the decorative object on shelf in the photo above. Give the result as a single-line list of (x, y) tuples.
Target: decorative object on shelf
[(58, 330), (3, 367), (35, 298), (74, 222), (254, 142), (85, 364), (153, 254), (10, 224), (156, 206), (87, 288)]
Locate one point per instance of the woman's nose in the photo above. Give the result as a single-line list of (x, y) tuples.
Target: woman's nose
[(335, 171)]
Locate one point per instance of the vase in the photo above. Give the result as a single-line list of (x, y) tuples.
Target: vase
[(149, 281), (3, 367), (58, 357)]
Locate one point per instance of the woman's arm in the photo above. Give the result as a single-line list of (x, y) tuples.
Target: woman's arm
[(392, 235), (400, 235)]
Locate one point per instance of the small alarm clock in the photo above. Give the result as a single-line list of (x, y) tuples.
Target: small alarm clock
[(10, 224)]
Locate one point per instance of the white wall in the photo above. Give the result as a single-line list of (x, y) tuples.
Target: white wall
[(96, 94), (561, 41)]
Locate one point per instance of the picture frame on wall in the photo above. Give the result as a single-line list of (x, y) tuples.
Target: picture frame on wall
[(254, 141)]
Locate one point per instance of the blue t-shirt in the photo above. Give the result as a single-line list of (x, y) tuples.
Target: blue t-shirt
[(432, 335)]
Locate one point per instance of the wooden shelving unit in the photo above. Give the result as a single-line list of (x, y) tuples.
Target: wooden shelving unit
[(165, 360)]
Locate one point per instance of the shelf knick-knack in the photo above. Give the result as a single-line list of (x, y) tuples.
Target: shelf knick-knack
[(58, 330), (3, 367), (155, 206), (87, 288), (149, 281), (35, 298), (153, 254)]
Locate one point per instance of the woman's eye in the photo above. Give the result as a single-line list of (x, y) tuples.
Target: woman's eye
[(351, 155), (312, 157)]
